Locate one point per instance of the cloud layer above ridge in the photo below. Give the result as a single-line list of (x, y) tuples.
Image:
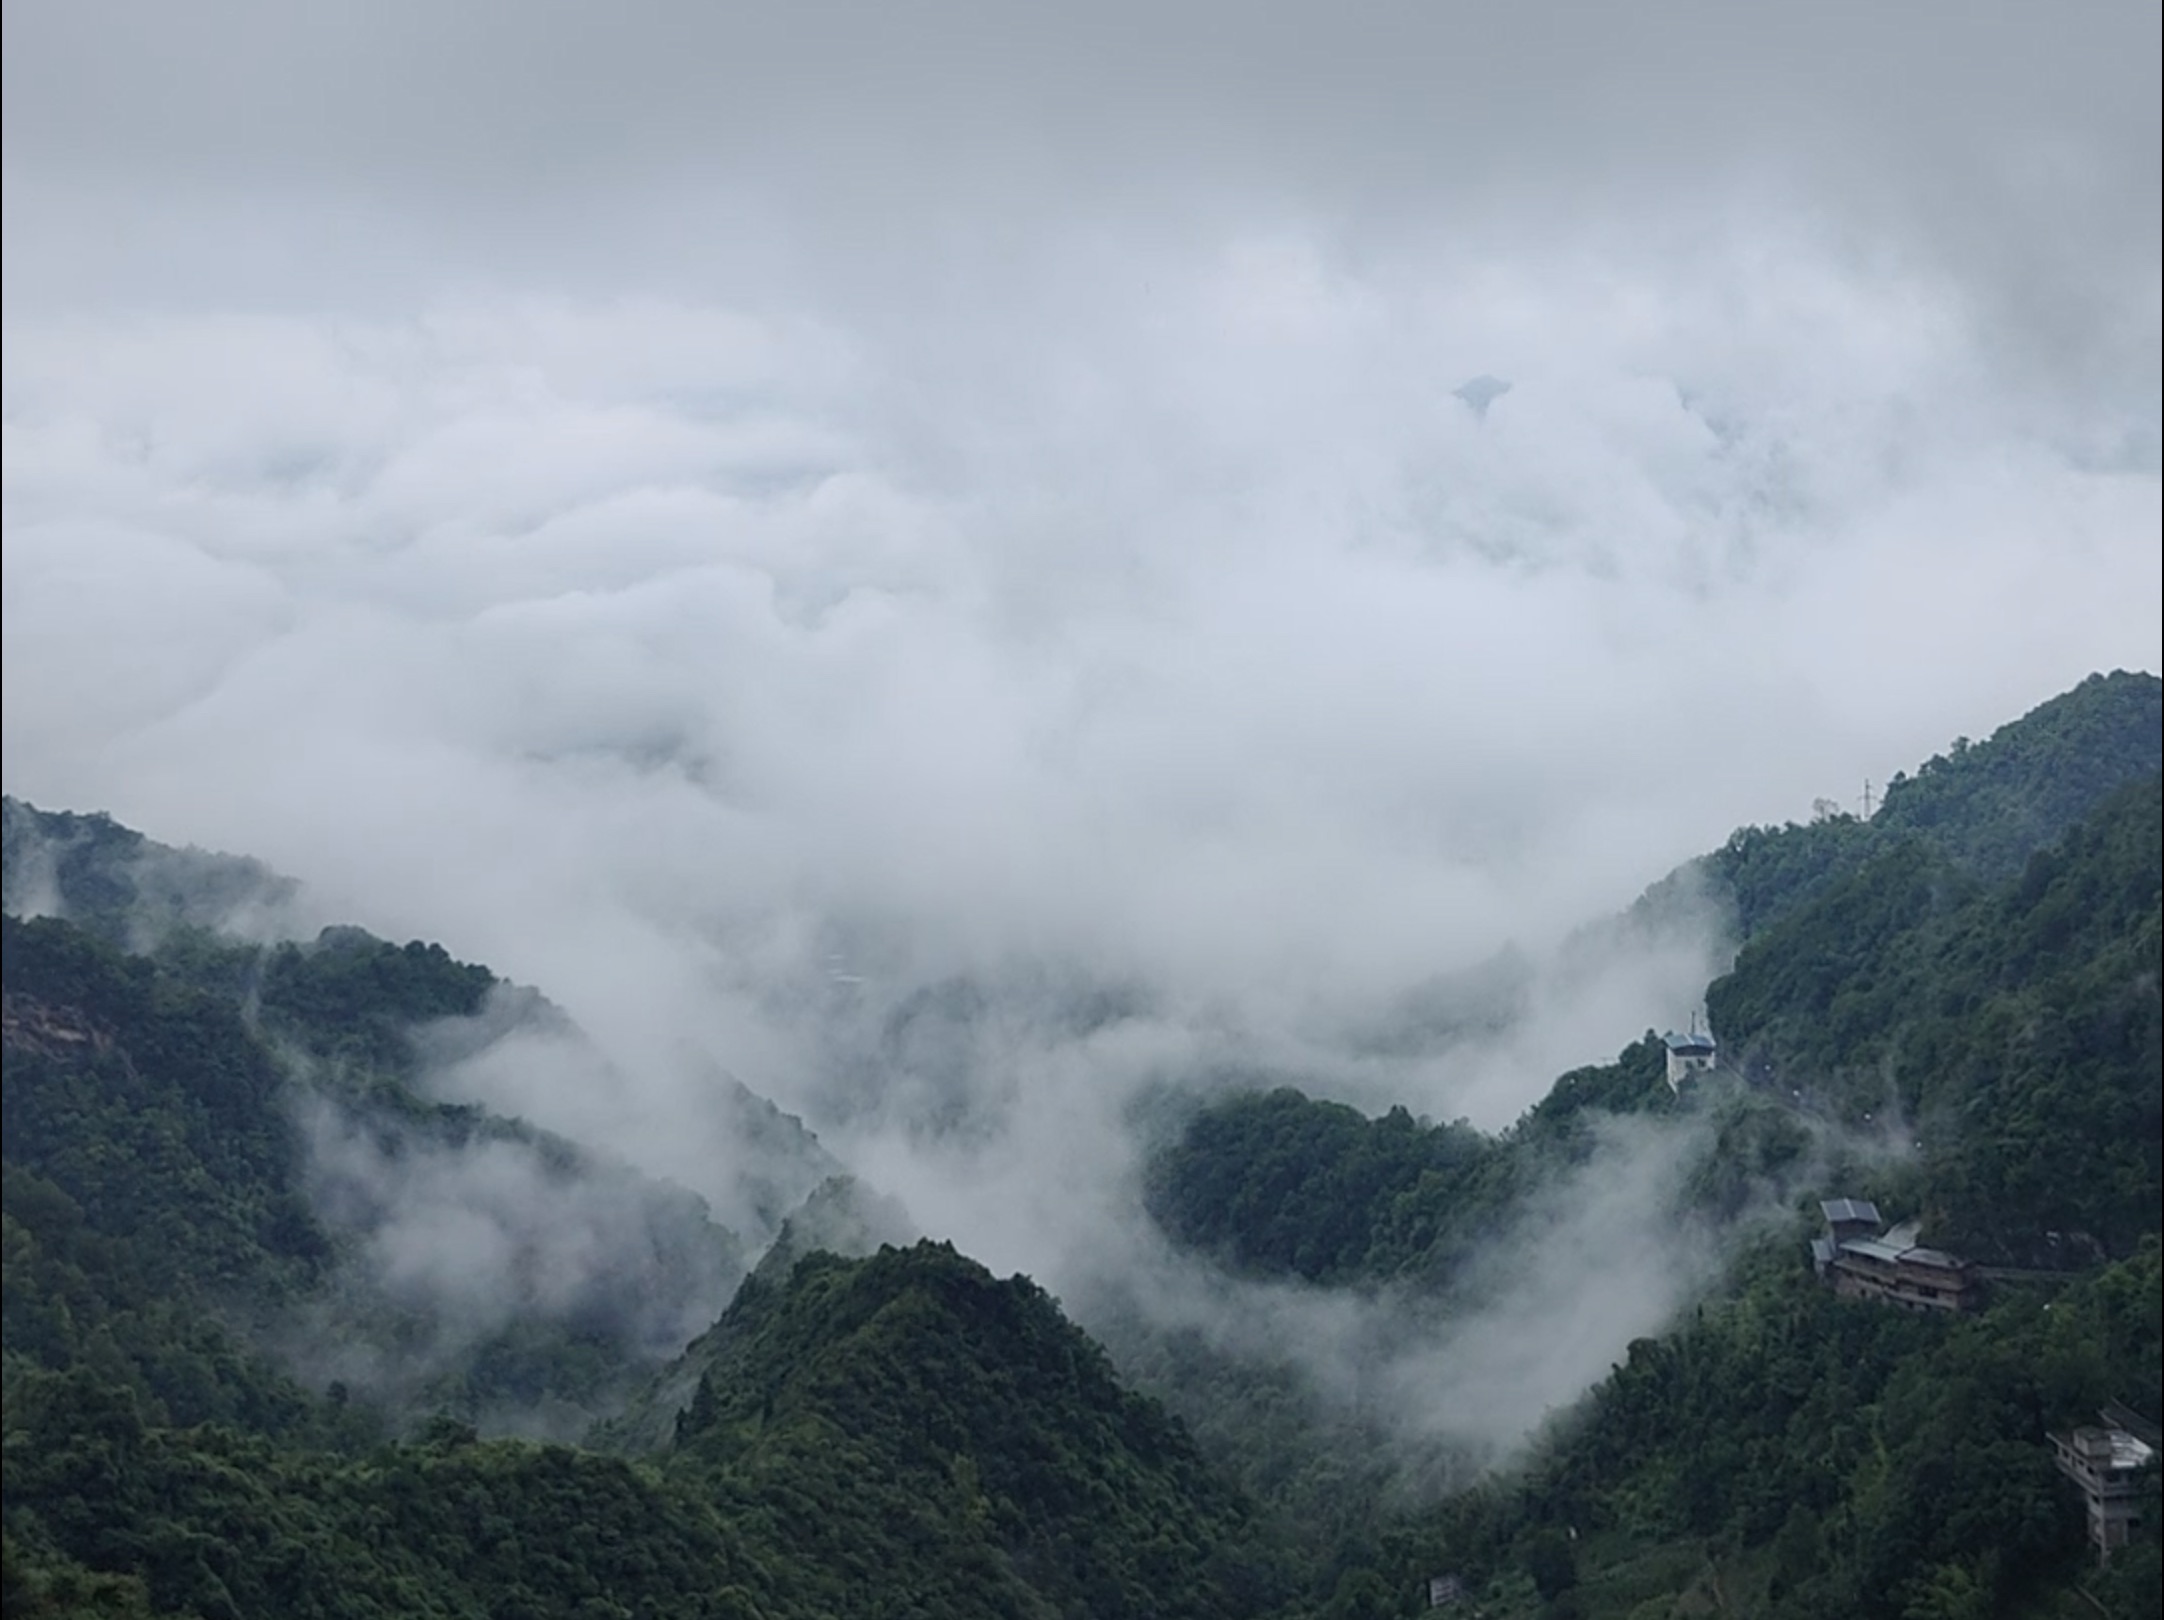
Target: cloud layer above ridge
[(932, 558), (678, 506)]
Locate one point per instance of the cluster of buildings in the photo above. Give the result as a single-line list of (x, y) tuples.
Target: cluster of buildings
[(1865, 1259), (1861, 1257)]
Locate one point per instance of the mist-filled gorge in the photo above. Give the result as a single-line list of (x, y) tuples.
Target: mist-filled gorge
[(1269, 811)]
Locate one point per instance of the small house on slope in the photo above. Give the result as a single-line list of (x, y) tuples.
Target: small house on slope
[(2107, 1462), (1688, 1055)]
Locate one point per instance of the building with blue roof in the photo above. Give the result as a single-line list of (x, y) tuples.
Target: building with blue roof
[(1689, 1055)]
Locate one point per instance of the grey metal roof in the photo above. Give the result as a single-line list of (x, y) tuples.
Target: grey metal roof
[(1688, 1043), (1873, 1249), (1849, 1209), (1932, 1257), (2118, 1416)]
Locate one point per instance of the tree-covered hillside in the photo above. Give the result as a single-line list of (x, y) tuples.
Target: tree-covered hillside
[(865, 1411), (217, 1172), (1788, 1454), (129, 889), (2016, 1029), (1280, 1183), (901, 1437), (1988, 806), (1984, 808), (1980, 1050), (246, 1368), (252, 1167)]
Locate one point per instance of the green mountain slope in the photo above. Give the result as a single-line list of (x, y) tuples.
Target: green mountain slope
[(125, 887), (902, 1436), (166, 1164), (177, 1082), (1279, 1183), (107, 1514), (1983, 807), (1988, 806), (1793, 1455), (2017, 1028), (1977, 1047), (2012, 1023), (1784, 1452), (926, 1439), (207, 1148), (213, 1146)]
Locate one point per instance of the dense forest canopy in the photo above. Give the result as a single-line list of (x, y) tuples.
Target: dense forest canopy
[(1983, 807), (214, 1134)]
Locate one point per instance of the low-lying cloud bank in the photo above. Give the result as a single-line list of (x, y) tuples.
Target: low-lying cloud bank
[(1237, 716), (662, 658), (939, 566)]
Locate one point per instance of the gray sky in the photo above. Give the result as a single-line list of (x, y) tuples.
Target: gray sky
[(375, 151), (702, 506), (976, 448)]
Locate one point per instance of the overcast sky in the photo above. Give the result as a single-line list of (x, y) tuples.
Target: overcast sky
[(674, 498), (931, 556)]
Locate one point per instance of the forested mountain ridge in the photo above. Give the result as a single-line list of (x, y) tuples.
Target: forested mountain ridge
[(202, 1145), (1874, 949), (129, 889), (901, 1436), (1983, 807), (842, 1218), (1789, 1454), (858, 1407), (2014, 1027), (164, 1155), (206, 1133), (1278, 1182), (371, 1016), (1981, 1051), (1990, 805)]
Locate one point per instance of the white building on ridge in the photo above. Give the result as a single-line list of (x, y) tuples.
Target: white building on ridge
[(1688, 1055)]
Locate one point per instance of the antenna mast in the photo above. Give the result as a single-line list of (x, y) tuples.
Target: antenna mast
[(1867, 798)]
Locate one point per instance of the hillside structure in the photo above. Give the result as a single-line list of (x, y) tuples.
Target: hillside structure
[(2107, 1461), (1862, 1260), (1446, 1591), (1689, 1055), (1848, 1218)]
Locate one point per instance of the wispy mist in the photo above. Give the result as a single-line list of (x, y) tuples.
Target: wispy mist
[(700, 1129), (447, 1245), (937, 564)]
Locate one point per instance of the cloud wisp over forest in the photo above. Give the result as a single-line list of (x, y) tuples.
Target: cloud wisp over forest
[(932, 559)]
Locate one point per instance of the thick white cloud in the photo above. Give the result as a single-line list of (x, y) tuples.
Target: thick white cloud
[(740, 515), (1237, 655)]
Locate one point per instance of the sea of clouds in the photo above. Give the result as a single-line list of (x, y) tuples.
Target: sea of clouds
[(938, 566)]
